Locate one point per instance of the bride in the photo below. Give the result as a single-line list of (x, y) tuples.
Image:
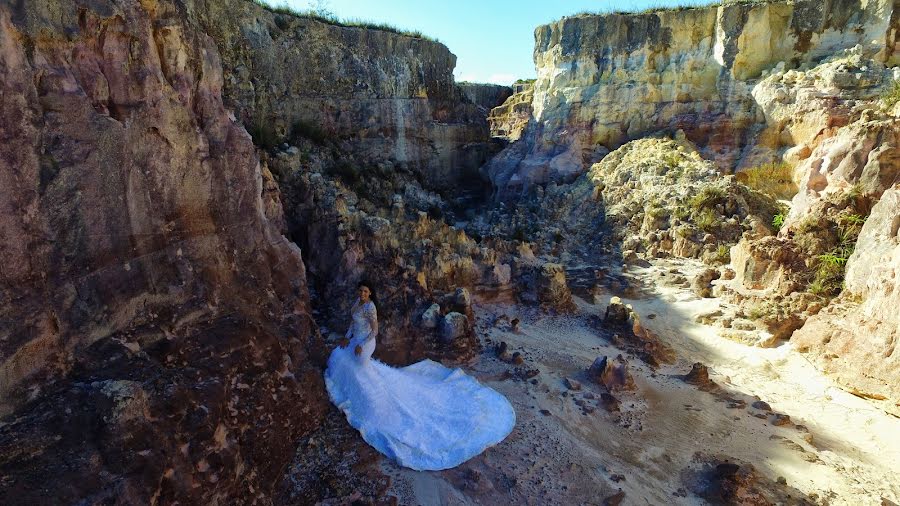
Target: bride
[(425, 416)]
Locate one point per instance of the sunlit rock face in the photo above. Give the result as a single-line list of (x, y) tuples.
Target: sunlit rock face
[(857, 342), (155, 337), (606, 79), (385, 96)]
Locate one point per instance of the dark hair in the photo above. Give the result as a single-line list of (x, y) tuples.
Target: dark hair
[(367, 284)]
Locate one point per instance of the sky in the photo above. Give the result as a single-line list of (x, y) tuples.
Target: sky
[(493, 40)]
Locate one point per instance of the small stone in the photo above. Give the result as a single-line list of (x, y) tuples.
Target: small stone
[(614, 500), (762, 405), (503, 350), (572, 384), (545, 412), (779, 420), (431, 317)]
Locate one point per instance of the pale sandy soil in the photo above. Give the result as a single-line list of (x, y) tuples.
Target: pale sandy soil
[(849, 454)]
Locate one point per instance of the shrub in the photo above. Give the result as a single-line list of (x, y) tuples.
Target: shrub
[(672, 160), (306, 130), (263, 134), (891, 96), (707, 220), (778, 221), (773, 179), (723, 254), (347, 172), (708, 198)]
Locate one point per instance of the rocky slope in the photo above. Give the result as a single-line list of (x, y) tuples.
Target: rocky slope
[(606, 79)]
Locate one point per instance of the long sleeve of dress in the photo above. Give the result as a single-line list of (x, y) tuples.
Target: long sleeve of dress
[(371, 316)]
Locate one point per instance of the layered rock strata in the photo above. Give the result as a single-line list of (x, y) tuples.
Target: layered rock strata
[(384, 96), (606, 79)]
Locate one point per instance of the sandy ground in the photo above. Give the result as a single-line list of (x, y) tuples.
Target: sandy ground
[(847, 454)]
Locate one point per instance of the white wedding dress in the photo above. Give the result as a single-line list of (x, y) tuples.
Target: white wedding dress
[(425, 416)]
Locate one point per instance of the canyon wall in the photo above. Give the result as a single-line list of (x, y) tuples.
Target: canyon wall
[(606, 79), (156, 334), (385, 96), (156, 343)]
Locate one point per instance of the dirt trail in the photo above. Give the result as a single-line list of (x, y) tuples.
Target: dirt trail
[(848, 453)]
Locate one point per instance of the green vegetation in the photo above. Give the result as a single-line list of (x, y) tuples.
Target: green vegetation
[(708, 198), (891, 96), (263, 133), (681, 213), (346, 172), (723, 254), (828, 280), (778, 221), (773, 179), (707, 220), (672, 159), (306, 130), (685, 6), (325, 16)]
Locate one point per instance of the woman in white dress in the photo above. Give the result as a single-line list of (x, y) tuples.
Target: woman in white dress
[(425, 416)]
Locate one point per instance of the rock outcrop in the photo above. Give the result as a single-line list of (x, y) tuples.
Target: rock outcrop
[(509, 119), (606, 79), (396, 242), (383, 96), (156, 341), (856, 338)]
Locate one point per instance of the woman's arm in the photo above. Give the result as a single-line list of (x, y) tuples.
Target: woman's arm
[(372, 317)]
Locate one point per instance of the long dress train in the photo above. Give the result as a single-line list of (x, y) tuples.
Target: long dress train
[(425, 416)]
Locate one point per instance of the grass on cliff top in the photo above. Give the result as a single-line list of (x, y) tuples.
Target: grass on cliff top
[(685, 6), (331, 19)]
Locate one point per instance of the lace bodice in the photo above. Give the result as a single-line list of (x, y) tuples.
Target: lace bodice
[(365, 321)]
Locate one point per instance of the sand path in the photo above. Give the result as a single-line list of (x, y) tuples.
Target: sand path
[(848, 453)]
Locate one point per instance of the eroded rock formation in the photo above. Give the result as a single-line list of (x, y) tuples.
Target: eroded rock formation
[(385, 97), (156, 340), (606, 79)]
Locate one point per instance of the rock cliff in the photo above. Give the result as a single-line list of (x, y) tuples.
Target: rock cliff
[(384, 96), (606, 79), (157, 340)]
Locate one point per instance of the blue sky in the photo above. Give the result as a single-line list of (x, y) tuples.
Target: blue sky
[(492, 40)]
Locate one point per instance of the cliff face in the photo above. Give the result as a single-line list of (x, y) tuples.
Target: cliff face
[(387, 97), (606, 79), (156, 340)]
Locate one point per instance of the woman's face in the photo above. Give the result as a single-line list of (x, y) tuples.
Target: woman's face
[(364, 293)]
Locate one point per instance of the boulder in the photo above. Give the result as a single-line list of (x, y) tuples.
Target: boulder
[(553, 291), (613, 375), (768, 263), (702, 283), (431, 317), (453, 326)]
